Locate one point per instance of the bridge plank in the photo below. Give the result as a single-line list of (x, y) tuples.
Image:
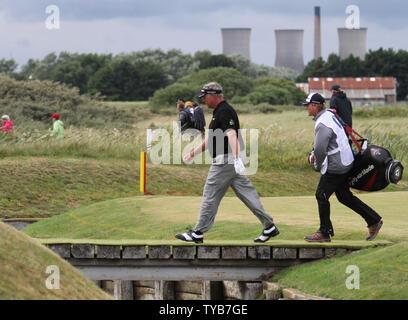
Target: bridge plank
[(234, 252), (284, 253), (208, 252), (310, 253), (259, 252), (134, 252), (83, 251), (63, 250), (108, 252), (183, 252), (159, 252)]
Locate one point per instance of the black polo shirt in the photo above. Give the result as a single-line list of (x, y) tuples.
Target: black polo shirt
[(224, 118)]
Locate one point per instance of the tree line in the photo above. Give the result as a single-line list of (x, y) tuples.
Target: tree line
[(138, 75), (131, 76)]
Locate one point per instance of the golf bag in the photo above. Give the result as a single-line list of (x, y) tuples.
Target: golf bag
[(373, 169)]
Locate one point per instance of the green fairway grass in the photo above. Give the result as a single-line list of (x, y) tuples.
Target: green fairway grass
[(23, 265), (160, 218)]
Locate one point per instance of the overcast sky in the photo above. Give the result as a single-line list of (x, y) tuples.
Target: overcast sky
[(114, 26)]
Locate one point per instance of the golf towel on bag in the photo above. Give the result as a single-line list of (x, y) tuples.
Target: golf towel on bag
[(374, 169)]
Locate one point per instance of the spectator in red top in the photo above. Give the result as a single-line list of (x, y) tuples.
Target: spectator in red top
[(7, 125)]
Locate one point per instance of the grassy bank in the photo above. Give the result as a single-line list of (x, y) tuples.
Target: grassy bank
[(383, 275), (23, 266)]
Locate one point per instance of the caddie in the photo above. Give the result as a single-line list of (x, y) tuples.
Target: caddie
[(227, 169), (333, 157)]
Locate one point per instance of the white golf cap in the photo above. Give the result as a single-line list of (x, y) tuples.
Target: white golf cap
[(5, 117)]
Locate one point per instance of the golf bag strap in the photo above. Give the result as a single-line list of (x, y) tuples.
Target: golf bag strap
[(349, 130)]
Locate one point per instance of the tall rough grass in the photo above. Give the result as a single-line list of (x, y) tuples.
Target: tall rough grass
[(285, 139), (394, 139), (382, 112), (84, 143)]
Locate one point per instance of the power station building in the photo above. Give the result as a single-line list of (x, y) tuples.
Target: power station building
[(236, 41), (352, 41), (289, 43), (289, 49), (317, 52)]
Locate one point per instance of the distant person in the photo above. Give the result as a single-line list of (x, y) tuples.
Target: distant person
[(58, 127), (341, 104), (7, 128), (185, 116), (181, 103), (190, 107), (199, 117), (333, 157)]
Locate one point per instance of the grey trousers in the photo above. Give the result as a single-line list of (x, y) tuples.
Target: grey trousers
[(219, 179)]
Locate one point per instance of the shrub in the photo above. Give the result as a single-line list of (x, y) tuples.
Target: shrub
[(168, 96), (123, 80), (269, 94), (273, 91), (296, 95), (40, 92), (232, 81)]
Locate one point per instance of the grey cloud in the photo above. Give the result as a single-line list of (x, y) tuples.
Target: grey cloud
[(390, 13), (112, 26), (25, 43)]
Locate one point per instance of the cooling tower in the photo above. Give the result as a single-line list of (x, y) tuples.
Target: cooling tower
[(289, 49), (317, 35), (236, 41), (352, 41)]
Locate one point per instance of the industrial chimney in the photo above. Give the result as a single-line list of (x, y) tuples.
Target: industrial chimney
[(352, 41), (236, 41), (317, 34), (289, 49)]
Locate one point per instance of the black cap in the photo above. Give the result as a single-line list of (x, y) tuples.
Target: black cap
[(335, 87), (313, 98)]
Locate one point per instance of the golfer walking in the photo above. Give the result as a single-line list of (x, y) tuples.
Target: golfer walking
[(226, 170), (333, 157)]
